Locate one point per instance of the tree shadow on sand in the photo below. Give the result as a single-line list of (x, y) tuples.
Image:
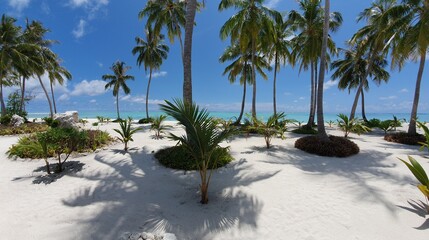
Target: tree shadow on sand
[(138, 194)]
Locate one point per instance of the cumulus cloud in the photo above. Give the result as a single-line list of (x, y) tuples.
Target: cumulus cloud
[(158, 74), (90, 88), (79, 31), (64, 97), (404, 90), (93, 101), (329, 84), (140, 99), (90, 6), (19, 5)]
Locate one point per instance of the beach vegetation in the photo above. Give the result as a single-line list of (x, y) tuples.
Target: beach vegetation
[(150, 52), (126, 132), (53, 123), (13, 105), (201, 139), (351, 125), (396, 122), (373, 123), (158, 126), (336, 147), (330, 123), (425, 144), (22, 129), (270, 128), (177, 157), (117, 81), (421, 176), (5, 120), (29, 147), (386, 125), (145, 120), (404, 138), (311, 131)]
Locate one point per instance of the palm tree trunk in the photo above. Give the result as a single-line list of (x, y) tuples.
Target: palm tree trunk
[(117, 105), (181, 44), (360, 88), (243, 101), (312, 101), (320, 119), (253, 79), (412, 127), (53, 97), (47, 96), (363, 106), (147, 94), (21, 104), (191, 7), (204, 187), (3, 106), (274, 85)]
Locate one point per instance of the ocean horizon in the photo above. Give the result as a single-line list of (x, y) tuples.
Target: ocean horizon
[(301, 117)]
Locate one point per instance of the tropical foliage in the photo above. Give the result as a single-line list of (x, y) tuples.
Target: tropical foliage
[(126, 132), (201, 139), (425, 129), (351, 125), (270, 129), (420, 174), (158, 126)]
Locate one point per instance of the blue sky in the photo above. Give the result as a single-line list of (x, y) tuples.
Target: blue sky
[(95, 33)]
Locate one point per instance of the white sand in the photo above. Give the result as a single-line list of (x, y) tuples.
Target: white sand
[(282, 193)]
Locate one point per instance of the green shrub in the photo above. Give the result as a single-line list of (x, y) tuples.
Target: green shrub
[(145, 120), (425, 144), (373, 123), (351, 125), (305, 131), (51, 122), (330, 122), (158, 126), (5, 120), (386, 125), (404, 138), (126, 132), (336, 147), (28, 146), (95, 124), (270, 128), (178, 157)]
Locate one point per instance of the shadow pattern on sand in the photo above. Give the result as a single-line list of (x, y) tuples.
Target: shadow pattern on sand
[(420, 208), (135, 198)]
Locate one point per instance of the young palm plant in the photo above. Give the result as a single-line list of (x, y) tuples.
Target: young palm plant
[(420, 174), (351, 125), (426, 133), (270, 129), (201, 140), (126, 132), (158, 126)]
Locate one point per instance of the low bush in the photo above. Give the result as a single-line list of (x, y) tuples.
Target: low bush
[(5, 120), (51, 122), (336, 147), (305, 131), (145, 120), (29, 147), (24, 128), (404, 138), (178, 158), (373, 123)]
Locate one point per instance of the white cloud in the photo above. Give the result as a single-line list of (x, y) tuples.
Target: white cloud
[(388, 98), (90, 88), (329, 84), (19, 5), (404, 90), (79, 31), (140, 99), (158, 74), (93, 101), (64, 97), (45, 7), (100, 64), (301, 98), (287, 93), (272, 3), (90, 6)]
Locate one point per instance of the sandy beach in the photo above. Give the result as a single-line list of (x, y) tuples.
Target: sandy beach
[(280, 193)]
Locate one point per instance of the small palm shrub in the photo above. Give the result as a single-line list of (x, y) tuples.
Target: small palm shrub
[(386, 126), (5, 120), (420, 174), (158, 126), (145, 120), (351, 125), (100, 119), (336, 147), (425, 144), (270, 128), (201, 138), (396, 122), (51, 122), (125, 132), (330, 122)]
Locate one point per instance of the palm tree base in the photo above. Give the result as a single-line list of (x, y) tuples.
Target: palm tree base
[(405, 138), (335, 147)]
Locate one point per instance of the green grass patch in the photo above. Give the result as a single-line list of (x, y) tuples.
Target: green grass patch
[(24, 128)]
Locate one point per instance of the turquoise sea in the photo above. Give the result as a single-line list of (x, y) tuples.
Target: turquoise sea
[(302, 117)]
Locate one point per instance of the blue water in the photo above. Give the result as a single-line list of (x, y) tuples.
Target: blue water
[(302, 117)]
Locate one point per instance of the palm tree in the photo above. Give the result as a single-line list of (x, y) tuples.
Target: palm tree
[(374, 39), (57, 73), (118, 81), (241, 66), (14, 52), (320, 120), (165, 13), (151, 53), (351, 69), (307, 44), (246, 27), (413, 42), (279, 52)]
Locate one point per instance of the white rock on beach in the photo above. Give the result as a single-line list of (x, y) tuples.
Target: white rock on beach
[(67, 119), (17, 120)]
